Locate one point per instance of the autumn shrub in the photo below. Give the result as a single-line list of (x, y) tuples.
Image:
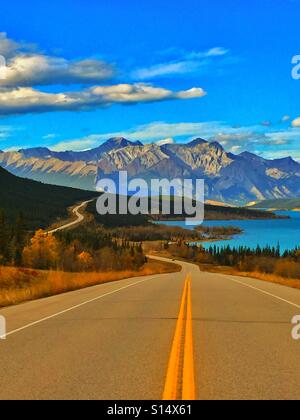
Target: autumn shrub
[(43, 252), (287, 268), (261, 264), (81, 251)]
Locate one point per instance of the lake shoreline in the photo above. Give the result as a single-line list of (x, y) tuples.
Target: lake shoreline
[(284, 230)]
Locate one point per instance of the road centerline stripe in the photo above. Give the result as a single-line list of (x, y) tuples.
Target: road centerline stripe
[(188, 388), (180, 379), (173, 373)]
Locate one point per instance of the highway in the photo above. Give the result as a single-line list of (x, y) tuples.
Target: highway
[(189, 335), (79, 218)]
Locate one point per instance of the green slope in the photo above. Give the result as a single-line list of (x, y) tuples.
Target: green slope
[(41, 204)]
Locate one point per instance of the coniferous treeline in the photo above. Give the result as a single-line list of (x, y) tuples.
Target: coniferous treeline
[(12, 239), (266, 260), (86, 248), (231, 256), (100, 250), (80, 253)]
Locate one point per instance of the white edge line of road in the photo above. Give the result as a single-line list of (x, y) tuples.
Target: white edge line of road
[(135, 284), (261, 291), (32, 324)]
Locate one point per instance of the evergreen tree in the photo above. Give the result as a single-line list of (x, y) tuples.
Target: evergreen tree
[(4, 239), (19, 238)]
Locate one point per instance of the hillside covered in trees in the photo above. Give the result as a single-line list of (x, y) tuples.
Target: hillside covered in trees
[(40, 204), (212, 212)]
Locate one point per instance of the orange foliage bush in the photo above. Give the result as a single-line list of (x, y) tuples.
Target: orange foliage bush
[(287, 268), (85, 259), (43, 251)]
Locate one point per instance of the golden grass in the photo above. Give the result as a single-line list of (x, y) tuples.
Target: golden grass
[(270, 278), (20, 285)]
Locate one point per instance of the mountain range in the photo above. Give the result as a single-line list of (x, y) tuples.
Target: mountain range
[(235, 179)]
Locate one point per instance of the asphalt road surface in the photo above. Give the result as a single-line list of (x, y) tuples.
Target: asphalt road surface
[(184, 335)]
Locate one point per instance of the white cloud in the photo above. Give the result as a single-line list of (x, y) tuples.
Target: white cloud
[(32, 70), (191, 93), (50, 136), (164, 69), (26, 67), (140, 92), (154, 132), (279, 154), (217, 51), (163, 142), (149, 133), (236, 149), (157, 130), (8, 46), (296, 122), (186, 63), (256, 139), (6, 131), (28, 100), (74, 145)]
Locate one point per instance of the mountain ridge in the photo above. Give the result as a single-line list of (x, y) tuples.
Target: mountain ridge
[(235, 179), (86, 155)]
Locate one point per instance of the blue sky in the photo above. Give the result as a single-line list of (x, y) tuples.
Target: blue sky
[(78, 72)]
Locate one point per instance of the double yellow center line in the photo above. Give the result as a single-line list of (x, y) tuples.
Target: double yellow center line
[(180, 381)]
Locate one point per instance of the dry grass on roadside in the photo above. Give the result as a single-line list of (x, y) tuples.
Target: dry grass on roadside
[(270, 278), (20, 285)]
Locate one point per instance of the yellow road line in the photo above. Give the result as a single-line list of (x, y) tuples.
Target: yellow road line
[(180, 381), (173, 374), (188, 387)]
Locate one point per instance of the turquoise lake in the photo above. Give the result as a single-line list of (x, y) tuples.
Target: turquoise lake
[(259, 232)]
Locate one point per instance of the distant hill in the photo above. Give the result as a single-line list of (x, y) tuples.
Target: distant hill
[(283, 204), (218, 212), (40, 204), (236, 213), (212, 212)]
